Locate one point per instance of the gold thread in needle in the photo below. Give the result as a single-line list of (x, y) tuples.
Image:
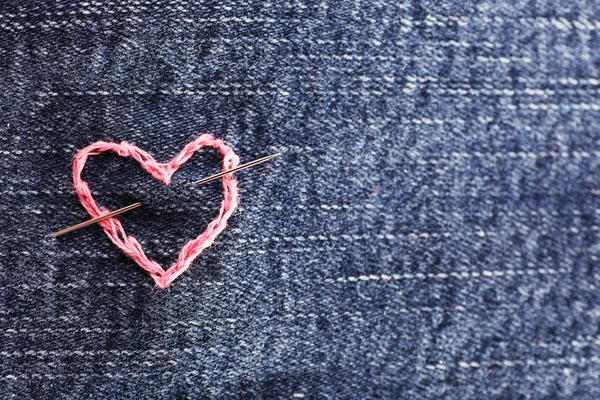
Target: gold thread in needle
[(97, 219), (231, 171)]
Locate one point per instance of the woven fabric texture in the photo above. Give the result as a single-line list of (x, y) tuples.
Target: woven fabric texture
[(431, 229)]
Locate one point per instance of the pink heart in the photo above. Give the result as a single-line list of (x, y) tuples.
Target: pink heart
[(162, 172)]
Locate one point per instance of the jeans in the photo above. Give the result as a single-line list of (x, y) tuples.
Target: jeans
[(431, 229)]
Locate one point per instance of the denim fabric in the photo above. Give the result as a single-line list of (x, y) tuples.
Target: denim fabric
[(429, 231)]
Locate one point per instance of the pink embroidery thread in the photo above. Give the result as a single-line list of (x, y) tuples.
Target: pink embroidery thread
[(162, 172)]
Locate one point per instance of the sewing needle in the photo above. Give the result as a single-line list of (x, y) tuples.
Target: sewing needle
[(238, 168), (135, 205), (97, 219)]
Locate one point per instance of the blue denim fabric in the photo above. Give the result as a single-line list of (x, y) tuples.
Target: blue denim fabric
[(430, 230)]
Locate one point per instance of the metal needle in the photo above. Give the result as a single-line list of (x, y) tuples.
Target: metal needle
[(231, 171), (97, 219)]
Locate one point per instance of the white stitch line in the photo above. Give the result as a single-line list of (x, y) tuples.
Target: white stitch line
[(362, 278), (489, 83), (83, 353), (418, 156), (84, 8), (458, 275), (440, 21), (186, 92), (538, 22), (508, 92), (569, 81), (431, 82), (161, 351), (12, 377), (104, 375), (413, 154), (281, 92), (221, 90), (354, 316), (556, 107), (245, 88), (82, 23), (549, 361), (461, 364)]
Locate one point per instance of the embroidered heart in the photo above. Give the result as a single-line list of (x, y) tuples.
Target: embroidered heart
[(162, 172)]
